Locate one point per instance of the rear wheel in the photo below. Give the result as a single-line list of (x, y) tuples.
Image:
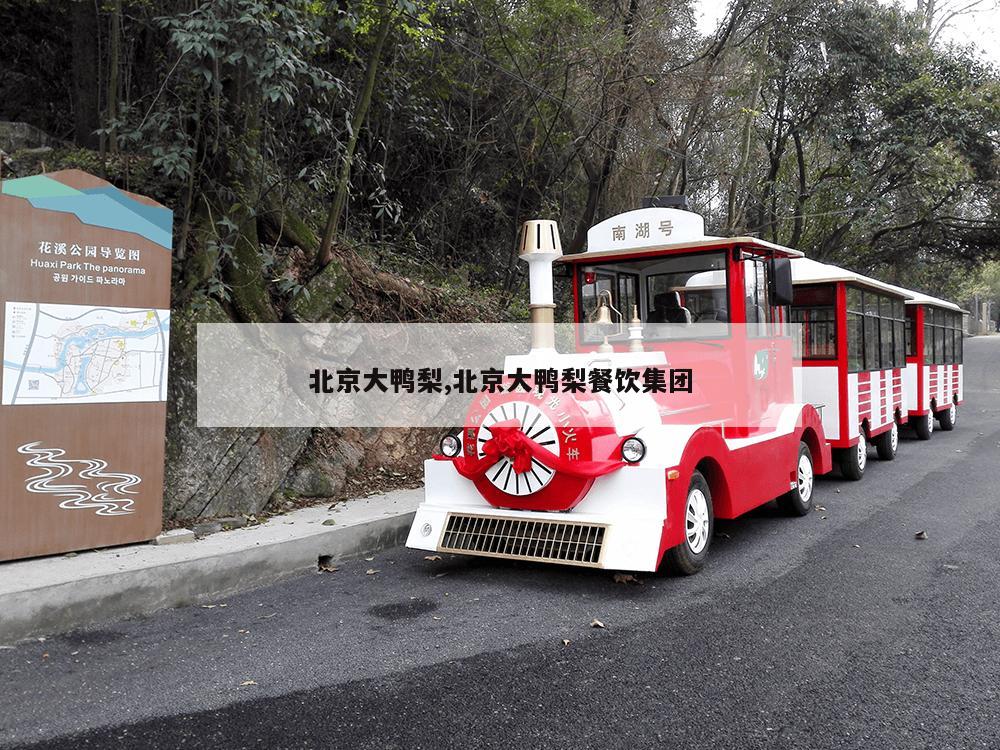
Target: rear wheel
[(854, 460), (948, 417), (798, 502), (688, 557), (924, 426), (888, 443)]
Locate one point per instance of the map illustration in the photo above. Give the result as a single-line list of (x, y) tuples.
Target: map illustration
[(58, 354)]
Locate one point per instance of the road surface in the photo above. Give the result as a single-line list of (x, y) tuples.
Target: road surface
[(838, 630)]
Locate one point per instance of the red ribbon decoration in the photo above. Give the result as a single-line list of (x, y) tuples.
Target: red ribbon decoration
[(509, 441)]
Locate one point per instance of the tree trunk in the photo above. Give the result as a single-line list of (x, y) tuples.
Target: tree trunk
[(114, 64), (85, 73), (803, 196), (597, 183), (357, 122)]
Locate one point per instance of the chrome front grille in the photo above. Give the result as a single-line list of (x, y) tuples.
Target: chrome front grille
[(524, 539)]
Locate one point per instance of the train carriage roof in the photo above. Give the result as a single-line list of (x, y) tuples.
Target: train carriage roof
[(919, 298), (809, 271)]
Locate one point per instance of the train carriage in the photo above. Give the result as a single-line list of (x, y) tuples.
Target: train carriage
[(933, 379), (852, 348), (536, 476)]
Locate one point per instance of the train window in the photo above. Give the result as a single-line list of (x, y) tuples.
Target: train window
[(876, 331), (942, 336), (888, 349), (628, 293), (818, 331), (813, 309), (871, 343), (855, 342), (759, 314), (854, 300), (911, 331), (594, 284), (689, 291)]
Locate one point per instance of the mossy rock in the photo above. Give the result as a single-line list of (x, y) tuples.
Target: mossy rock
[(325, 298)]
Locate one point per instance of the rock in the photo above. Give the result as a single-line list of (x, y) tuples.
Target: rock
[(219, 471), (15, 136), (206, 527), (175, 536), (233, 522), (325, 297)]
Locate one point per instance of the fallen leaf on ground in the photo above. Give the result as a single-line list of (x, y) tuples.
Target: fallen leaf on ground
[(432, 558), (246, 683), (328, 568), (627, 578), (820, 508), (948, 566), (369, 559), (723, 535), (595, 623), (209, 606), (857, 546), (920, 535), (565, 641), (370, 572)]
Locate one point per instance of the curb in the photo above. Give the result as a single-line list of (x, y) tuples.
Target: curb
[(57, 594)]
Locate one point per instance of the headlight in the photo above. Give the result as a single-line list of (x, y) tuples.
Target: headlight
[(633, 450), (451, 446)]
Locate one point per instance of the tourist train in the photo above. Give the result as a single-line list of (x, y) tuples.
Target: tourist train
[(792, 367)]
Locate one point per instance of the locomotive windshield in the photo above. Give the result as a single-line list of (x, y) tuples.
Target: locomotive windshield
[(679, 296)]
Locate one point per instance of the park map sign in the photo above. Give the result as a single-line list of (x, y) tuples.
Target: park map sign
[(85, 319)]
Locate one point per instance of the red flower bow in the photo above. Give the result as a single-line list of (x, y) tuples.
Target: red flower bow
[(507, 440)]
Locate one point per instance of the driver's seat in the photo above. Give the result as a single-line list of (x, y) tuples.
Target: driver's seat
[(667, 308)]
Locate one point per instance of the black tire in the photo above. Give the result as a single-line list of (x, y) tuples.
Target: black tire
[(684, 559), (854, 460), (888, 443), (799, 501), (924, 426), (947, 418)]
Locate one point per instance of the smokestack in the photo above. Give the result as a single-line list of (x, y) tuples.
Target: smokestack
[(539, 247)]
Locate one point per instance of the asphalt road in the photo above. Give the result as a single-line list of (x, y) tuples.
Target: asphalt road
[(838, 630)]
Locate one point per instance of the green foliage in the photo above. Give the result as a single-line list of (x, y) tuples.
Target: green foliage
[(834, 125)]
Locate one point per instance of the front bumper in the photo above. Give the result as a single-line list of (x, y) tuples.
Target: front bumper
[(618, 526)]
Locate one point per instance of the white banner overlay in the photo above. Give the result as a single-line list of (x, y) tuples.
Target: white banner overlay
[(428, 375)]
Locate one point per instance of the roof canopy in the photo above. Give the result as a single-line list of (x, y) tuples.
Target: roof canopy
[(654, 231), (808, 271)]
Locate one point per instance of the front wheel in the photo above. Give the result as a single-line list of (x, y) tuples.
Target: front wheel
[(924, 426), (948, 417), (888, 443), (854, 460), (688, 557), (798, 501)]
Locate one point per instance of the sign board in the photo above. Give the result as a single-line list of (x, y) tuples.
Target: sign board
[(85, 320), (645, 227)]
